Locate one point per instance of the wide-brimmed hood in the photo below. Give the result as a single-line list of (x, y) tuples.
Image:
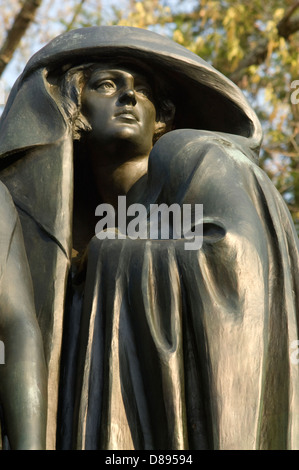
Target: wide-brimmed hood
[(204, 98)]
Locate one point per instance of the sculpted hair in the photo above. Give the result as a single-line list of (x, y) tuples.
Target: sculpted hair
[(71, 88), (73, 82)]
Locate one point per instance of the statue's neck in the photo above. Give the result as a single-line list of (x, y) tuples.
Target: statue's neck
[(100, 180), (117, 178)]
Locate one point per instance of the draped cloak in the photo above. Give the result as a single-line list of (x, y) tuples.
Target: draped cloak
[(158, 347)]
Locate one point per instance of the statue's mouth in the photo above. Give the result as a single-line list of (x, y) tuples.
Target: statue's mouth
[(128, 114)]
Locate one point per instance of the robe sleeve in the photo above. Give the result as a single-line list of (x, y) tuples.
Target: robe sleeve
[(242, 288)]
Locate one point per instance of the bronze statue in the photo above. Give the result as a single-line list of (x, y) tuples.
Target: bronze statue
[(149, 345)]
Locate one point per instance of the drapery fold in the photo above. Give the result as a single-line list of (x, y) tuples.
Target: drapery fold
[(184, 348)]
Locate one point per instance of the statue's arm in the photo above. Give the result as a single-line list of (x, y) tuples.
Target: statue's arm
[(23, 391)]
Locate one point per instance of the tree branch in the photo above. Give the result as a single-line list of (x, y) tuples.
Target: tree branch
[(286, 27), (77, 11), (21, 22), (255, 57)]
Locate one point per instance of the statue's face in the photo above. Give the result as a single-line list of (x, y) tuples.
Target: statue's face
[(118, 104)]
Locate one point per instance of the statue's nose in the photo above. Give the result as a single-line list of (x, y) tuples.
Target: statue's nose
[(128, 96)]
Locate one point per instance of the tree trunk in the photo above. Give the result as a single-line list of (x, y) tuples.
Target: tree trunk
[(21, 22)]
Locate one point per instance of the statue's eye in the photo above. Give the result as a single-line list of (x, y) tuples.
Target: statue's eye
[(144, 90), (105, 85)]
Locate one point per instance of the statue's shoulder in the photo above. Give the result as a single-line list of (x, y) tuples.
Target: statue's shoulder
[(183, 151)]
